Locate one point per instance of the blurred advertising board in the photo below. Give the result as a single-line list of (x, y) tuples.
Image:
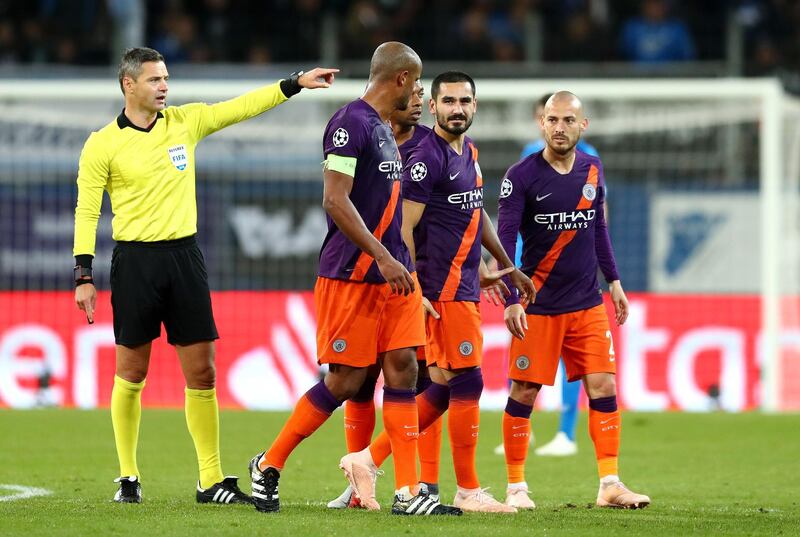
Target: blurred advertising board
[(676, 352)]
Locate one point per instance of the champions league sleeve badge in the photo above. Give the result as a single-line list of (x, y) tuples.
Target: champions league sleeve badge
[(340, 137), (506, 188), (418, 171)]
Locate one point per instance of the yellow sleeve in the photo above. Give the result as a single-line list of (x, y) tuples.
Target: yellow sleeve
[(204, 119), (93, 173)]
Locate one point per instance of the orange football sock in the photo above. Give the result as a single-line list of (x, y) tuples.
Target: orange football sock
[(463, 423), (516, 438), (430, 443), (431, 404), (312, 410), (359, 424), (401, 424), (605, 424)]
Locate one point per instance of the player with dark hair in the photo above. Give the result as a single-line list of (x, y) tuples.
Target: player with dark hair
[(144, 159), (444, 225), (555, 199), (368, 302), (359, 410)]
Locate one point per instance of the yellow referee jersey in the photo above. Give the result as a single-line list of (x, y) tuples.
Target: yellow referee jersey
[(150, 174)]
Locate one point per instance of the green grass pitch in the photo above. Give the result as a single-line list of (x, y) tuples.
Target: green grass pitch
[(708, 474)]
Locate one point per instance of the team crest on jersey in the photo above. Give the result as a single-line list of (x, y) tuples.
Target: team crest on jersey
[(505, 188), (339, 345), (589, 191), (340, 137), (522, 363), (418, 171), (178, 156), (465, 348)]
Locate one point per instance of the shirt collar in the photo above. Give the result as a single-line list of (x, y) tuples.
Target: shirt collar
[(123, 121)]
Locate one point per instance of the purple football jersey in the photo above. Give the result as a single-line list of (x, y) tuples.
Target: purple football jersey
[(564, 233), (448, 235), (420, 132), (356, 130)]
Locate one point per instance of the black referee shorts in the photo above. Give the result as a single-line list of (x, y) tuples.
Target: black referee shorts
[(155, 282)]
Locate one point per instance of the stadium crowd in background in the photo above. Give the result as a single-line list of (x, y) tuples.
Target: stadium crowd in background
[(81, 32)]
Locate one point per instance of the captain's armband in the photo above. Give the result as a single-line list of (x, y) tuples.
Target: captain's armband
[(337, 163)]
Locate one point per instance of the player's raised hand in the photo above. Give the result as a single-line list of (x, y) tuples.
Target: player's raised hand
[(86, 299), (620, 302), (527, 291), (516, 322), (493, 286), (318, 77), (428, 309), (396, 275)]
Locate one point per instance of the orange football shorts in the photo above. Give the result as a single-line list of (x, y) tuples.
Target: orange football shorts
[(455, 340), (356, 321), (582, 338)]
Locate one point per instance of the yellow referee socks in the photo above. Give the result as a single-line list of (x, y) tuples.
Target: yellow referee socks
[(202, 418), (126, 413)]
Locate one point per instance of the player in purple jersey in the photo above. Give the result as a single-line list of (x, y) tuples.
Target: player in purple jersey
[(444, 225), (555, 200), (369, 305), (359, 410)]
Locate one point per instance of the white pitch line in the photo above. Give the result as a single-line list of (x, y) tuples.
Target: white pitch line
[(22, 492)]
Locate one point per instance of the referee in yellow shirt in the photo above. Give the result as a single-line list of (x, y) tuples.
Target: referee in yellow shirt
[(144, 159)]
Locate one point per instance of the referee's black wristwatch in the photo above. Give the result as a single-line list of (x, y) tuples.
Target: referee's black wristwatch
[(291, 86), (83, 270)]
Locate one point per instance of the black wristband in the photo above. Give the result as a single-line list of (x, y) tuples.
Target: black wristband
[(291, 86), (84, 260), (84, 281)]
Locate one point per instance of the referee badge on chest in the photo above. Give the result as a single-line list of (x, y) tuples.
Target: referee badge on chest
[(178, 156)]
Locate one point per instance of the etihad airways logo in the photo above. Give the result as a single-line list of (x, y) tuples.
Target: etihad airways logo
[(564, 221), (471, 199), (392, 169)]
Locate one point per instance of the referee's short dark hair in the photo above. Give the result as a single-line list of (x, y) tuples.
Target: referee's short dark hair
[(131, 63), (449, 77)]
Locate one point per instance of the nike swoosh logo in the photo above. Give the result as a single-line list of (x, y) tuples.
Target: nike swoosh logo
[(381, 142), (518, 426), (474, 426), (409, 426), (454, 175), (606, 421), (540, 198)]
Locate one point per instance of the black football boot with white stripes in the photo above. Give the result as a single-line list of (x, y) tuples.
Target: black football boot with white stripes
[(130, 490), (422, 504), (225, 492), (265, 487)]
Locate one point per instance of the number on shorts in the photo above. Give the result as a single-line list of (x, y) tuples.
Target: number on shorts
[(611, 355)]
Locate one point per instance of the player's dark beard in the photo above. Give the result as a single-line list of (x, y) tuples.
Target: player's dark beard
[(455, 131), (562, 150)]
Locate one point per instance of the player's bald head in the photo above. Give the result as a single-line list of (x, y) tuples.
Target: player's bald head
[(391, 58), (565, 99)]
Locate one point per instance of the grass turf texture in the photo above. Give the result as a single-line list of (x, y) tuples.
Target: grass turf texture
[(710, 474)]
